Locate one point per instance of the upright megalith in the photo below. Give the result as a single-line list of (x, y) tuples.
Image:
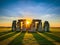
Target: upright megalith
[(18, 26), (40, 26), (23, 24), (46, 26), (14, 25), (32, 27), (36, 25)]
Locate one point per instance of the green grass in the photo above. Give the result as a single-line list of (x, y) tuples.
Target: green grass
[(17, 40), (57, 39), (6, 32), (56, 33), (41, 40), (7, 36)]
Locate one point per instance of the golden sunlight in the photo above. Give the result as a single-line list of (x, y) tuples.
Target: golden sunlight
[(27, 22)]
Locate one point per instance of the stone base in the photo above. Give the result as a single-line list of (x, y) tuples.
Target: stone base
[(31, 31), (23, 30), (18, 29)]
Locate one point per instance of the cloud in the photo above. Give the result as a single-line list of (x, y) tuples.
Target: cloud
[(8, 19)]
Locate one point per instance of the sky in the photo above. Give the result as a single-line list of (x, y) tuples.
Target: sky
[(46, 10)]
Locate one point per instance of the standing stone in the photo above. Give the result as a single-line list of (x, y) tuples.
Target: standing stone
[(46, 26), (14, 25), (18, 26), (32, 27), (40, 26), (24, 25)]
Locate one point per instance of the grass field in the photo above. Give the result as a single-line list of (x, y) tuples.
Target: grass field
[(7, 37)]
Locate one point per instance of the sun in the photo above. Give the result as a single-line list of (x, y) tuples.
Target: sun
[(27, 22)]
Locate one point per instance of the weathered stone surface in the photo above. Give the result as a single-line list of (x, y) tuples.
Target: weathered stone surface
[(35, 28), (40, 26), (36, 25), (24, 25), (32, 26), (14, 25), (18, 26), (46, 26), (22, 22)]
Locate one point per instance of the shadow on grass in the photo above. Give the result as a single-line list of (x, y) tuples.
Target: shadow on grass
[(56, 33), (7, 36), (41, 40), (18, 40), (57, 39), (2, 33)]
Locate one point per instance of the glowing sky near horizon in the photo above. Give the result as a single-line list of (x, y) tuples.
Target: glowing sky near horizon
[(35, 9)]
